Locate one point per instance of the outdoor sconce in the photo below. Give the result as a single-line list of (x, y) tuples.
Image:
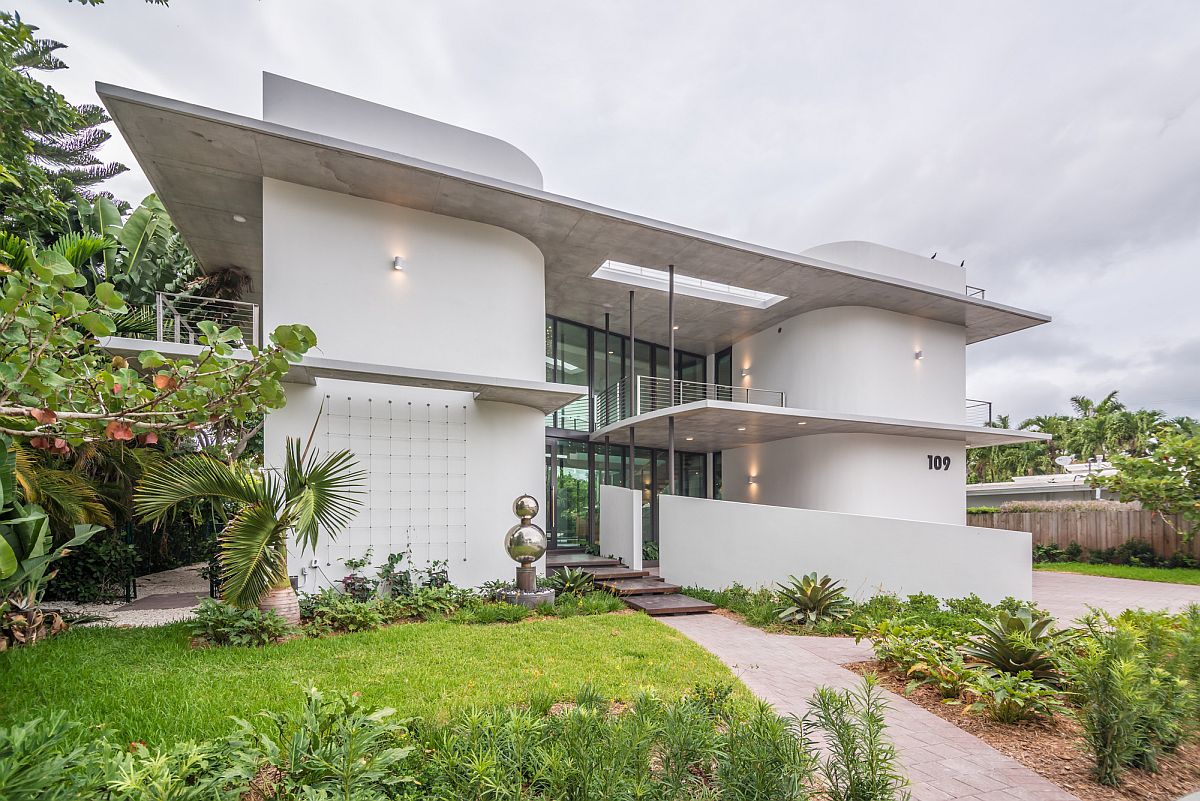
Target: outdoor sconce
[(752, 480), (398, 263), (745, 373), (919, 355)]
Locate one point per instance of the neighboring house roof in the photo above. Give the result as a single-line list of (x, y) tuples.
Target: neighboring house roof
[(1075, 478), (208, 166)]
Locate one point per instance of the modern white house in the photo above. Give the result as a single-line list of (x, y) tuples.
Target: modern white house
[(753, 413)]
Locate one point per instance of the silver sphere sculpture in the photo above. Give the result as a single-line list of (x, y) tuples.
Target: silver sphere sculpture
[(525, 542)]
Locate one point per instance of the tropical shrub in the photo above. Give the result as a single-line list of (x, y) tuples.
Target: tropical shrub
[(943, 669), (810, 600), (219, 623), (98, 570), (497, 612), (570, 581), (356, 585), (394, 577), (1011, 697), (330, 611), (336, 746), (594, 603), (50, 759), (1132, 707), (862, 764), (764, 756), (1015, 642)]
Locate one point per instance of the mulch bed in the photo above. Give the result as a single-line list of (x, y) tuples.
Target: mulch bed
[(1053, 748)]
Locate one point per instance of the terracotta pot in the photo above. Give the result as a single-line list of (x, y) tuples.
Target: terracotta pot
[(282, 601)]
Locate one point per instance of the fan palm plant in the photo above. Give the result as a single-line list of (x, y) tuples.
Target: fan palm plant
[(308, 495)]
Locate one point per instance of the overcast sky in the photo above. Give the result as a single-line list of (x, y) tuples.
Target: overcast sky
[(1053, 146)]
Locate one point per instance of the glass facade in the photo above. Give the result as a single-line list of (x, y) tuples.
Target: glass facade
[(575, 468)]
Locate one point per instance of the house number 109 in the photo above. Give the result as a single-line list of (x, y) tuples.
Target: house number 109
[(938, 462)]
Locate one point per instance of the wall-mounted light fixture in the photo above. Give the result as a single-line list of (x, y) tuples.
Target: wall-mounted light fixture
[(398, 263), (752, 480), (919, 355), (745, 373)]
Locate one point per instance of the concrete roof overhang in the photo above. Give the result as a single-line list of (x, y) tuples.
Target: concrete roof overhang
[(208, 165), (544, 396), (714, 426)]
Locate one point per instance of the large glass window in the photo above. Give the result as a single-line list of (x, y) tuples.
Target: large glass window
[(568, 479)]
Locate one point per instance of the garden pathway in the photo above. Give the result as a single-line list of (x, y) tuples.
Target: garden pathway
[(1068, 595), (942, 761)]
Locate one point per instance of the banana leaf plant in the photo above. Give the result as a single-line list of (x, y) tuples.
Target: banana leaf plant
[(27, 552), (308, 496)]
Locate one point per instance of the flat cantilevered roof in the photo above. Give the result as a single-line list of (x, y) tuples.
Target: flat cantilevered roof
[(208, 166), (709, 426)]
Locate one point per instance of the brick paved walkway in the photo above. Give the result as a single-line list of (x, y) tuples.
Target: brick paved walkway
[(942, 761), (1068, 595)]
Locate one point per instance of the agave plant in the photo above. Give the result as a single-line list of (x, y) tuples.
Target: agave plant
[(308, 495), (571, 581), (1019, 641), (810, 600)]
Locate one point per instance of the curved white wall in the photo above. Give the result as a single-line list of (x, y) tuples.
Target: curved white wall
[(311, 108), (471, 298), (863, 474), (860, 360), (873, 258)]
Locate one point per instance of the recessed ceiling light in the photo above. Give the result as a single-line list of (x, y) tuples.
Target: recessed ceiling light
[(802, 423), (689, 439), (674, 328), (741, 428), (237, 218)]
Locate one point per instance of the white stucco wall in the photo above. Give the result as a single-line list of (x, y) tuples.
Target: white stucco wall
[(860, 360), (873, 258), (621, 524), (445, 470), (865, 474), (471, 298), (717, 543), (413, 495), (311, 108)]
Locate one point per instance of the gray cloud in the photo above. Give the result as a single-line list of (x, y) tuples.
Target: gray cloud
[(1052, 146)]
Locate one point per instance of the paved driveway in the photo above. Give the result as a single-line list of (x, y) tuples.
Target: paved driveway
[(1068, 595)]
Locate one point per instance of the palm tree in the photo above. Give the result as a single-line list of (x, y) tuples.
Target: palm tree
[(309, 494)]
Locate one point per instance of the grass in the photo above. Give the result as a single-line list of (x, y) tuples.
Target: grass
[(1169, 575), (148, 684)]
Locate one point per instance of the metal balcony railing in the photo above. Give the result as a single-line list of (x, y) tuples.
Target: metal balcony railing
[(178, 317), (979, 412), (615, 404), (575, 416)]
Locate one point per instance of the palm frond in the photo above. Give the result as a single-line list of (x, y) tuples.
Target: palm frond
[(68, 497), (172, 482), (253, 555), (321, 492)]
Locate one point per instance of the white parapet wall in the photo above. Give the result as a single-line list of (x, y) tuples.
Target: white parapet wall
[(621, 524), (715, 544)]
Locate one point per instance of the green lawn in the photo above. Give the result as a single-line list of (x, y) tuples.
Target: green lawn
[(1170, 575), (150, 685)]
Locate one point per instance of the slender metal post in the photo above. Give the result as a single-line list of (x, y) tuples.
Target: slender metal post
[(254, 326), (607, 395), (158, 313), (632, 360), (671, 384)]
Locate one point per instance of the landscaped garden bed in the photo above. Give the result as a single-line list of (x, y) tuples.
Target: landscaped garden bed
[(1051, 747)]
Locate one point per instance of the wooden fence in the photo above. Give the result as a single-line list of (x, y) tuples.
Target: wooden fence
[(1095, 530)]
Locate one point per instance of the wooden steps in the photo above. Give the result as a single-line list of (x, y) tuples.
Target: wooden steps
[(674, 604), (621, 572), (651, 585), (637, 588), (556, 561)]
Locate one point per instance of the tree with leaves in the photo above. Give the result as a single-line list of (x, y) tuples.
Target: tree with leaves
[(47, 145), (1167, 481)]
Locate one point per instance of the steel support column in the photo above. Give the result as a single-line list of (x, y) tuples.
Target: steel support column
[(671, 383), (631, 389)]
